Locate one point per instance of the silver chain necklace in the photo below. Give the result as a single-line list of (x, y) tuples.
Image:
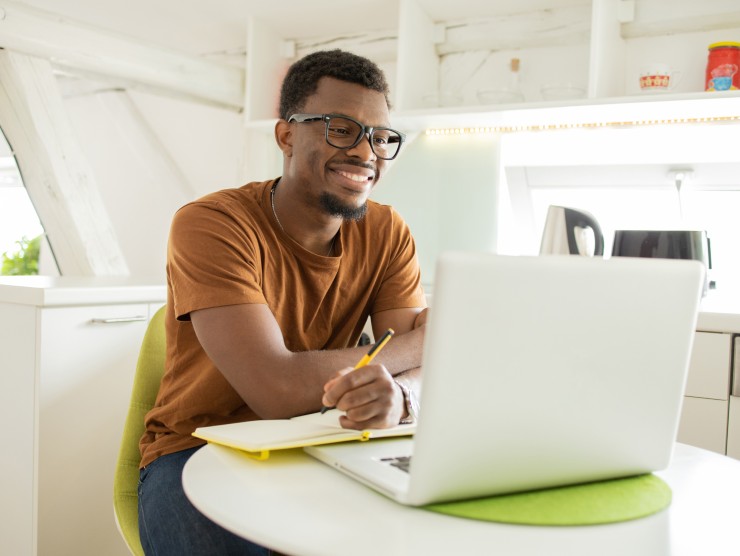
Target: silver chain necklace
[(272, 204)]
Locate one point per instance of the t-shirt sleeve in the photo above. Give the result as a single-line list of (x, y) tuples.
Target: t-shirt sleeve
[(212, 260), (401, 285)]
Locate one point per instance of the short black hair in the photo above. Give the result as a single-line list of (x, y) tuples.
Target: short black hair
[(303, 77)]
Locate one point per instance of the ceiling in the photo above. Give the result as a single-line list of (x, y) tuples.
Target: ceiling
[(215, 27)]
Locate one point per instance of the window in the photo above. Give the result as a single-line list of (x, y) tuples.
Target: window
[(627, 179), (19, 223), (717, 212)]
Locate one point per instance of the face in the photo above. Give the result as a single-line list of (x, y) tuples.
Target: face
[(338, 180)]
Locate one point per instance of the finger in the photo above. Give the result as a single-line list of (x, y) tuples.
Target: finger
[(351, 382), (339, 374), (339, 384), (377, 403), (375, 415)]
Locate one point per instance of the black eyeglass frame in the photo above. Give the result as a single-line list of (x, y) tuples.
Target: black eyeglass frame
[(365, 131)]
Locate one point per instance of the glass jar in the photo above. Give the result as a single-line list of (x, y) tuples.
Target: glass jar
[(723, 67)]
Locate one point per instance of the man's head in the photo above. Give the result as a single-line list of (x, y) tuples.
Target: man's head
[(327, 99), (303, 77)]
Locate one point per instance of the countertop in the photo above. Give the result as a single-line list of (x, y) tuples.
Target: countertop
[(49, 291), (719, 311)]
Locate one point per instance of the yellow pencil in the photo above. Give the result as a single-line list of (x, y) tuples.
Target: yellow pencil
[(377, 346)]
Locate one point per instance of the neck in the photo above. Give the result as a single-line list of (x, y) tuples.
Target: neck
[(317, 241)]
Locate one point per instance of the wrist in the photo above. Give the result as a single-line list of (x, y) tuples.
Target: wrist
[(411, 406)]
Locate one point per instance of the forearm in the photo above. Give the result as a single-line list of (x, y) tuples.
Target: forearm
[(246, 345), (277, 383), (294, 384)]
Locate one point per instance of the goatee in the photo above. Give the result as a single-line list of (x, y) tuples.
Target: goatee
[(332, 205)]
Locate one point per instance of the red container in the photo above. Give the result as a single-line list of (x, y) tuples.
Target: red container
[(723, 67)]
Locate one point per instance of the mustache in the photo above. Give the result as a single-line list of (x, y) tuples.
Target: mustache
[(366, 165)]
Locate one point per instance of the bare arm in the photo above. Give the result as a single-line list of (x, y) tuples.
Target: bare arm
[(370, 396), (246, 344)]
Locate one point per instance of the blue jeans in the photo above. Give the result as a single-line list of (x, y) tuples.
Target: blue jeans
[(170, 525)]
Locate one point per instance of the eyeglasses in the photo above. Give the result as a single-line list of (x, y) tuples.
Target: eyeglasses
[(343, 132)]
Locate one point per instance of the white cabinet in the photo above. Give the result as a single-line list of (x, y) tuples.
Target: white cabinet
[(704, 414), (707, 407), (65, 385), (704, 424), (733, 423), (733, 434), (709, 370)]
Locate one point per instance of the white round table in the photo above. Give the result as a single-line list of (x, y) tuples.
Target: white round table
[(297, 505)]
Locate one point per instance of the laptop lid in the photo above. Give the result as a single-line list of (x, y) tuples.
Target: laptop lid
[(544, 371)]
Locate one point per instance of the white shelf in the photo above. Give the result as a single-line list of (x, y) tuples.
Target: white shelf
[(436, 46), (595, 44), (612, 110)]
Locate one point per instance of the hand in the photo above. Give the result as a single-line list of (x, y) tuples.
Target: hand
[(369, 396)]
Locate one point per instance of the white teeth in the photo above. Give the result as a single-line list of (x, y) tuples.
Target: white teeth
[(354, 177)]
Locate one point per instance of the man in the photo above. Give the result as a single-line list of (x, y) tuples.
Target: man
[(270, 285)]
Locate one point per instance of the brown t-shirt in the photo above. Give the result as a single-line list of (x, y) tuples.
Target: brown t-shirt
[(227, 249)]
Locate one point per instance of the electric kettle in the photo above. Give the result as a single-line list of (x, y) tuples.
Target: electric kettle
[(666, 244), (566, 233)]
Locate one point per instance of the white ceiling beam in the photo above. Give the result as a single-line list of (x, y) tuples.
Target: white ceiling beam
[(565, 25), (55, 172), (147, 146), (81, 49)]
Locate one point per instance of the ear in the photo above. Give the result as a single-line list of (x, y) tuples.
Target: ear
[(284, 137)]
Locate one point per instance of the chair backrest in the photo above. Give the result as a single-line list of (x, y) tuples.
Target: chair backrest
[(149, 371)]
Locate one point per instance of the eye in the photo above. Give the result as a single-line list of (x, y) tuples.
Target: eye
[(339, 129), (382, 137), (386, 137)]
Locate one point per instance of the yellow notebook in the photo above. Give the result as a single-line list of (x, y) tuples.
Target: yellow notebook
[(257, 438)]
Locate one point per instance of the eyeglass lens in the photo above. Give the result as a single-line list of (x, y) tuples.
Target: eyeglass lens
[(344, 133)]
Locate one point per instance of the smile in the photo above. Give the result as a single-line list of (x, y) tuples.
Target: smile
[(359, 178)]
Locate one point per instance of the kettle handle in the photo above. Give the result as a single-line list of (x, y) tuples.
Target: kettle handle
[(575, 218), (709, 252)]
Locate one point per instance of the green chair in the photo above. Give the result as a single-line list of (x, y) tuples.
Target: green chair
[(149, 371)]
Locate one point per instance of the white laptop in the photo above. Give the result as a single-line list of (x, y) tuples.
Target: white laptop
[(538, 372)]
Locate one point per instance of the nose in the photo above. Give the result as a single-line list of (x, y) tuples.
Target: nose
[(363, 149)]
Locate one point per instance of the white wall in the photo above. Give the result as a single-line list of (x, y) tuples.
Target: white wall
[(150, 155), (206, 143), (446, 190)]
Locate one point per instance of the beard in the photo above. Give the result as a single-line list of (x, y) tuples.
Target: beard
[(333, 206)]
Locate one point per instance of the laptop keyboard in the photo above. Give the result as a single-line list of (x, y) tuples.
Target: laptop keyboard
[(401, 462)]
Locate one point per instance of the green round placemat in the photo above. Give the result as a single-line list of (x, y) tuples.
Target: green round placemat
[(584, 504)]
